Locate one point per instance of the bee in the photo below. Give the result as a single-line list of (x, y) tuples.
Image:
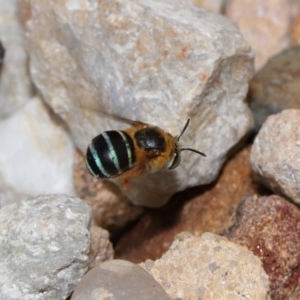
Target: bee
[(132, 152)]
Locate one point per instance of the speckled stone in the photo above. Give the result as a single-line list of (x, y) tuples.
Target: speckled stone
[(211, 208), (44, 245), (270, 227), (209, 267), (276, 86)]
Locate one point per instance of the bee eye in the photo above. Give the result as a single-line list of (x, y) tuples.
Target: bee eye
[(176, 161)]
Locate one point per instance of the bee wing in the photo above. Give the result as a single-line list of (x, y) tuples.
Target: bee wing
[(113, 117), (124, 120)]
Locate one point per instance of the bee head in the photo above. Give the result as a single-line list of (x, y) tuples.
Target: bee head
[(177, 153)]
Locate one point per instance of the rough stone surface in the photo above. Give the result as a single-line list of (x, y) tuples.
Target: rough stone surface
[(119, 280), (211, 208), (270, 227), (101, 248), (111, 209), (264, 24), (276, 86), (15, 85), (157, 62), (36, 154), (44, 244), (209, 267), (275, 154)]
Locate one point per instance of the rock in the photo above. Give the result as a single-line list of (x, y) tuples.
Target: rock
[(101, 248), (209, 267), (276, 86), (270, 227), (44, 244), (36, 154), (275, 154), (118, 280), (158, 62), (15, 85), (265, 25), (111, 209), (210, 208)]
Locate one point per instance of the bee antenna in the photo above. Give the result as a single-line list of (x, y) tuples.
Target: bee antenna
[(183, 130), (193, 150)]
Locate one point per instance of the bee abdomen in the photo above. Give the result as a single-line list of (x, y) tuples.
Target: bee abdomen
[(110, 153)]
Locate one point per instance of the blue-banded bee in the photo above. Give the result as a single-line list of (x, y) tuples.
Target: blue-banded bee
[(134, 151)]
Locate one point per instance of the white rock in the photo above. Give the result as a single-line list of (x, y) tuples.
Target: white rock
[(157, 62), (15, 85), (44, 245), (275, 154), (36, 153), (209, 267)]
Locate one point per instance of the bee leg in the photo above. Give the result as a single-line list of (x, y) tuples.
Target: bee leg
[(126, 184)]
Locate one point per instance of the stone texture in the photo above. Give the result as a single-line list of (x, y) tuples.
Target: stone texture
[(264, 24), (111, 209), (270, 227), (101, 248), (36, 154), (15, 85), (44, 244), (276, 86), (209, 267), (210, 208), (275, 154), (158, 62), (118, 280)]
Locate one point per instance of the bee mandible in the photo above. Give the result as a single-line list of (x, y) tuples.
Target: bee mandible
[(139, 149)]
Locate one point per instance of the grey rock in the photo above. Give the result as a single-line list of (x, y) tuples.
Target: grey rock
[(209, 267), (118, 280), (275, 154), (157, 62), (44, 245)]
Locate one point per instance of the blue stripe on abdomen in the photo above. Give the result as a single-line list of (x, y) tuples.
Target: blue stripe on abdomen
[(110, 153)]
